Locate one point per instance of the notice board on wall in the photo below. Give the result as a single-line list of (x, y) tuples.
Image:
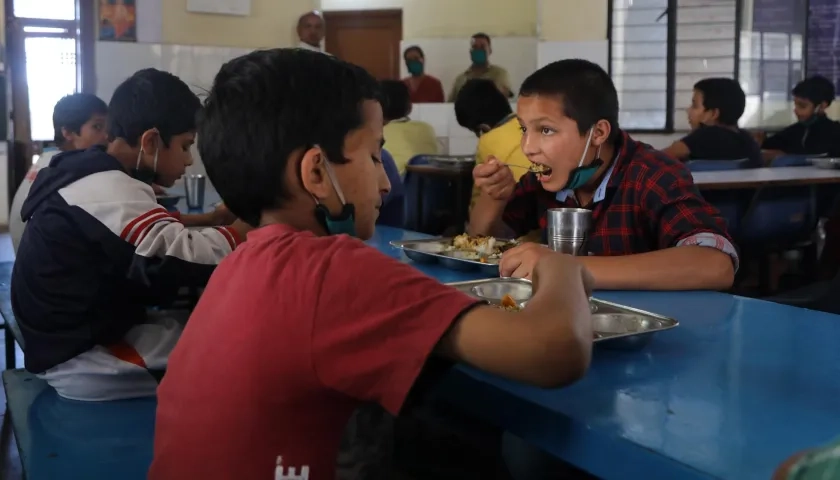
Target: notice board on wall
[(220, 7)]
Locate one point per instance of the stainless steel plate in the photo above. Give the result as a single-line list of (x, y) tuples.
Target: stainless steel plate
[(825, 163), (434, 250), (615, 326)]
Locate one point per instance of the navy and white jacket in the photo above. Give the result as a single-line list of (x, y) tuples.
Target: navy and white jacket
[(96, 252)]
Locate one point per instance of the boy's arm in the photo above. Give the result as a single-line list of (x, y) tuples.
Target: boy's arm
[(371, 339), (158, 252), (783, 141), (512, 217), (691, 235)]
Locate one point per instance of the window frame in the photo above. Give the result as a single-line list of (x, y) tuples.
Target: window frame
[(670, 12)]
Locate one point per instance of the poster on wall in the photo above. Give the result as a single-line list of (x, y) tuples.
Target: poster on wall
[(117, 20)]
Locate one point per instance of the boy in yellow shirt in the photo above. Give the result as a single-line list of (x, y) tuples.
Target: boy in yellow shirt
[(404, 137), (482, 109)]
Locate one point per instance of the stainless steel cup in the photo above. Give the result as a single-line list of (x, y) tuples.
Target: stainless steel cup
[(194, 186), (567, 230)]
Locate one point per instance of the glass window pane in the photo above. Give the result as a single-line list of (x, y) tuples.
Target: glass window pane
[(51, 74), (46, 9)]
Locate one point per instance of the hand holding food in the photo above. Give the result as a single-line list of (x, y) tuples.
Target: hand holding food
[(494, 179), (521, 260)]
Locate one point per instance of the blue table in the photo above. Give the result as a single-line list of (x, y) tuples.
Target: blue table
[(738, 387)]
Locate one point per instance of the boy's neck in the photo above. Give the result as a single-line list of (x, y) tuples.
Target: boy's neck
[(124, 153), (297, 214)]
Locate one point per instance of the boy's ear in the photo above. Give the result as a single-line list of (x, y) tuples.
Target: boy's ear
[(601, 132), (67, 134), (313, 173), (150, 141)]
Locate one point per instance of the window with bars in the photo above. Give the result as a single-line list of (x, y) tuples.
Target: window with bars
[(660, 48)]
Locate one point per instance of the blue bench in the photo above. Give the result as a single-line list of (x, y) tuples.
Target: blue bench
[(67, 439)]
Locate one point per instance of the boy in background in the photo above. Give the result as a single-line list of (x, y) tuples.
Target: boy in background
[(292, 141), (98, 250), (79, 123), (404, 137), (650, 225), (813, 133), (482, 109), (716, 106)]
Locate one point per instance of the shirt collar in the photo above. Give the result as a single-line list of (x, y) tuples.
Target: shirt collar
[(601, 191)]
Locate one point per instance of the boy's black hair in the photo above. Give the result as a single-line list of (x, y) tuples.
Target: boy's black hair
[(75, 110), (725, 95), (397, 99), (265, 107), (151, 99), (480, 102), (415, 48), (585, 90), (816, 89), (483, 36)]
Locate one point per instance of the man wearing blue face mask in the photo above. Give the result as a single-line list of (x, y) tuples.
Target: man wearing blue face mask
[(480, 50)]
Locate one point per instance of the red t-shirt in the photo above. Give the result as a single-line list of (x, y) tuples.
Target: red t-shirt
[(292, 334)]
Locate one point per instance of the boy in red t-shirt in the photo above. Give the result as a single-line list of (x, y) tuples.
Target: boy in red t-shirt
[(304, 323)]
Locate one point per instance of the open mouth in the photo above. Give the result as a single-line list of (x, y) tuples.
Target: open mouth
[(540, 169)]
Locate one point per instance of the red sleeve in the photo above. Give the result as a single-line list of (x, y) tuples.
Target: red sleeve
[(376, 322), (674, 206)]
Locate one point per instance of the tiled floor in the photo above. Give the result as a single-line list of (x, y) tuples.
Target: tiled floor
[(9, 461)]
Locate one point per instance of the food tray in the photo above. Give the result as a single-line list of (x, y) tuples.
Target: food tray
[(825, 163), (433, 250), (452, 161), (615, 326)]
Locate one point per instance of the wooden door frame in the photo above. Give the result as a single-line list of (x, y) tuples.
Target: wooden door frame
[(19, 150), (363, 18)]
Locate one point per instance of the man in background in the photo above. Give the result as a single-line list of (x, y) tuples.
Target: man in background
[(480, 50), (310, 30)]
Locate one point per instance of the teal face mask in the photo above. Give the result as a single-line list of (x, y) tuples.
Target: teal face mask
[(344, 222), (415, 67), (478, 56), (581, 175), (813, 118)]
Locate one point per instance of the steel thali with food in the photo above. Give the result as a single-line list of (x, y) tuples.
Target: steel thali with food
[(615, 326), (463, 253)]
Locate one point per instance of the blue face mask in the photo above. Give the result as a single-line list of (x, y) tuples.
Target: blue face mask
[(478, 56), (344, 222), (581, 175)]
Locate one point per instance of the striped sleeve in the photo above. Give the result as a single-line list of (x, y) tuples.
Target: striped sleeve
[(166, 255)]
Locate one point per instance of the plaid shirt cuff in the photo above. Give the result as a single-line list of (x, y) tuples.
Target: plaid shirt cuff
[(712, 240)]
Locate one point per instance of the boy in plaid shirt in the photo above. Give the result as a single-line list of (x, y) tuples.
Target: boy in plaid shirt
[(650, 224)]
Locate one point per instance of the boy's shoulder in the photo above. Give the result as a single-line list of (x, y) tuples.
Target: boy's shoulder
[(642, 158)]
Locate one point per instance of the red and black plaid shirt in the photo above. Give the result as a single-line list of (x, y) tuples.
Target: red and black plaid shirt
[(649, 203)]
